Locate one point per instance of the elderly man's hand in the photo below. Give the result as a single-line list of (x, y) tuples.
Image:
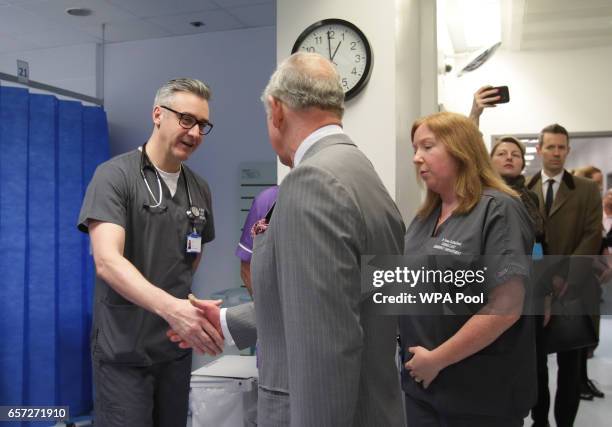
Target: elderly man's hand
[(210, 314), (192, 326), (483, 98)]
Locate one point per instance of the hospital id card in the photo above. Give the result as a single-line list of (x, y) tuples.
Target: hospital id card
[(194, 243)]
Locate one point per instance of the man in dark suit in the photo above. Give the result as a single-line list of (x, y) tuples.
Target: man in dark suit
[(572, 209)]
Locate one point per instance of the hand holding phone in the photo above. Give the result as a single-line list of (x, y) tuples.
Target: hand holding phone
[(503, 95)]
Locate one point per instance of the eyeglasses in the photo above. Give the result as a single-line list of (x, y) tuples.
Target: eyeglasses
[(187, 121)]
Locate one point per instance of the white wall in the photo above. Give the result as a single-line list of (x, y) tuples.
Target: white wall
[(237, 65), (379, 118), (71, 67), (571, 87)]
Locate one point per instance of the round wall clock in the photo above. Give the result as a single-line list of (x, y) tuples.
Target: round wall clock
[(343, 44)]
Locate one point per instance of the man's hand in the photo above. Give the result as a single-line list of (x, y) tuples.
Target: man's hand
[(483, 98), (190, 323), (209, 311), (423, 366)]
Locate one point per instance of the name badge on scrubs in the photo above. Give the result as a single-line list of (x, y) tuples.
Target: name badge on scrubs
[(194, 243)]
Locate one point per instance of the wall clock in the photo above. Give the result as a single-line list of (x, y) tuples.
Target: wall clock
[(343, 44)]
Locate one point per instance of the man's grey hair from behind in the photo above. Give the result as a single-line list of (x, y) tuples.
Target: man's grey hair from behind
[(303, 81), (165, 93)]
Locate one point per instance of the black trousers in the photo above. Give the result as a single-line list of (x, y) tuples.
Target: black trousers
[(567, 398), (151, 396), (422, 414)]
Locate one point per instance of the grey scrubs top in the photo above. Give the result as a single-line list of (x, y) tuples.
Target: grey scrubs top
[(500, 379), (155, 243)]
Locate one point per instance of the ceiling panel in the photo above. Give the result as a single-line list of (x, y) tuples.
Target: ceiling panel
[(552, 6), (150, 8), (232, 3), (12, 44), (136, 29), (256, 15), (566, 43), (55, 11), (563, 24), (55, 37), (569, 14), (214, 20), (14, 20)]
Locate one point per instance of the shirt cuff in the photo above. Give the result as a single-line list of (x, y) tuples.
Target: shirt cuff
[(225, 329)]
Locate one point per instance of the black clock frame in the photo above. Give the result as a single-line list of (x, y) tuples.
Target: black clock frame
[(365, 77)]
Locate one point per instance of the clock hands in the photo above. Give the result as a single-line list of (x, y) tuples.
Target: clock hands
[(336, 51), (329, 46)]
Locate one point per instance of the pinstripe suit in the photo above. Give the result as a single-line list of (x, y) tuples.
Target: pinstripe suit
[(325, 359)]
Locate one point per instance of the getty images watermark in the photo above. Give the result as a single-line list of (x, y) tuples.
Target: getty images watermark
[(464, 284), (405, 276)]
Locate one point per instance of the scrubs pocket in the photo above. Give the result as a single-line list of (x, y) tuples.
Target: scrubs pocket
[(119, 333)]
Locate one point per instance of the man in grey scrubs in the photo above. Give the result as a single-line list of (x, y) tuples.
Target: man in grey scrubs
[(148, 216)]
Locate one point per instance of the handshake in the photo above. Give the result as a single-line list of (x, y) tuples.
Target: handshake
[(196, 324)]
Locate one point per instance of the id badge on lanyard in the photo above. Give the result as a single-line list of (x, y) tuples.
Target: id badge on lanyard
[(194, 242)]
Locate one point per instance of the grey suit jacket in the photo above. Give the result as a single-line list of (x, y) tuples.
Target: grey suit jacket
[(324, 358)]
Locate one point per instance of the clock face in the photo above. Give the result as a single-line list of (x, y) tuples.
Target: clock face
[(345, 46)]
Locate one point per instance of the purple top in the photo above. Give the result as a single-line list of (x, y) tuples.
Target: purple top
[(260, 207)]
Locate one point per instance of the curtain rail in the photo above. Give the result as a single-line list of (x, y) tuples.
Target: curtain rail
[(56, 90)]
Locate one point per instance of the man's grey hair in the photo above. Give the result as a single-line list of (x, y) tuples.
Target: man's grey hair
[(165, 93), (306, 80)]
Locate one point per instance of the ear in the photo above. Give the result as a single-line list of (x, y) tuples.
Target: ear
[(539, 149), (277, 113), (156, 115)]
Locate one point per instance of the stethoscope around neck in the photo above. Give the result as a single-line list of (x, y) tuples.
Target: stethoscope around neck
[(195, 214)]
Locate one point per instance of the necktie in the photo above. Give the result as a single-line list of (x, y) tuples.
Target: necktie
[(549, 196)]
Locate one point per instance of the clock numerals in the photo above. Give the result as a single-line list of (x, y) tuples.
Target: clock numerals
[(345, 46)]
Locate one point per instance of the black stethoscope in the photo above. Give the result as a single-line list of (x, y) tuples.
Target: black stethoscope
[(195, 214)]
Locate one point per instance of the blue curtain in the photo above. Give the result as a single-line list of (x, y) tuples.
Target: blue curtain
[(49, 150)]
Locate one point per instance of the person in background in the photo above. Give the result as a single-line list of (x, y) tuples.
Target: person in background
[(588, 389), (460, 370), (508, 158), (592, 173), (260, 207), (572, 210)]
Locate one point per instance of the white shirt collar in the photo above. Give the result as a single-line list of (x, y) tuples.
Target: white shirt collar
[(314, 137), (557, 178)]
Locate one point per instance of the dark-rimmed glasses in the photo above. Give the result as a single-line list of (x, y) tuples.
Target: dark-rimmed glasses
[(187, 121)]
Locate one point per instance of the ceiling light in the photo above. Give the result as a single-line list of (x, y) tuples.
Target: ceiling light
[(482, 22), (78, 11), (529, 157), (531, 150)]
